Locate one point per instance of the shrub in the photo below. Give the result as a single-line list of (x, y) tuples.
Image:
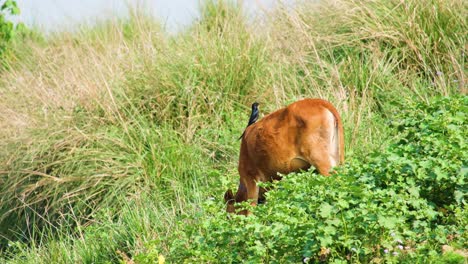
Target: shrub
[(431, 151), (6, 27)]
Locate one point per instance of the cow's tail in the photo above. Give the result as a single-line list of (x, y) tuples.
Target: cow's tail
[(338, 135)]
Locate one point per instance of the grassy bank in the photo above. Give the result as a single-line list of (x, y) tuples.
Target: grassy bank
[(112, 138)]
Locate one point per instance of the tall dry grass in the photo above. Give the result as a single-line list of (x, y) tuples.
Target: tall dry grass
[(54, 102)]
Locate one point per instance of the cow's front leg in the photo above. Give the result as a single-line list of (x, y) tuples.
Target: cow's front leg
[(251, 193)]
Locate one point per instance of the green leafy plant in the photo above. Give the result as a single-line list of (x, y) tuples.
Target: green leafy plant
[(7, 28), (431, 151)]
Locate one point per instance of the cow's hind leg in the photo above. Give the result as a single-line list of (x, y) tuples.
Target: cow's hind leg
[(322, 150), (320, 158)]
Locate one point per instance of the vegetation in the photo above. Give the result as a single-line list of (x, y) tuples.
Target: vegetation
[(117, 142), (7, 28), (392, 206)]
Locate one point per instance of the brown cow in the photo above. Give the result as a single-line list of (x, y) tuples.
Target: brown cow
[(307, 132)]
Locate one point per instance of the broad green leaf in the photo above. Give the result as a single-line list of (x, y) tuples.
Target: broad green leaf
[(325, 209)]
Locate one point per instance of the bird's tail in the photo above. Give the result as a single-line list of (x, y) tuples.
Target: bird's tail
[(242, 135), (252, 119)]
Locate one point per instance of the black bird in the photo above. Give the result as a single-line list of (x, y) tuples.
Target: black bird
[(253, 116)]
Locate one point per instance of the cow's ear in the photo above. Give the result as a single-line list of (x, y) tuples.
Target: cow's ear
[(228, 196)]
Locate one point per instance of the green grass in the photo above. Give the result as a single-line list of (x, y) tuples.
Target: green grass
[(123, 132)]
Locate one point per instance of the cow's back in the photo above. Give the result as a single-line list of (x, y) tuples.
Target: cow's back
[(283, 140)]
